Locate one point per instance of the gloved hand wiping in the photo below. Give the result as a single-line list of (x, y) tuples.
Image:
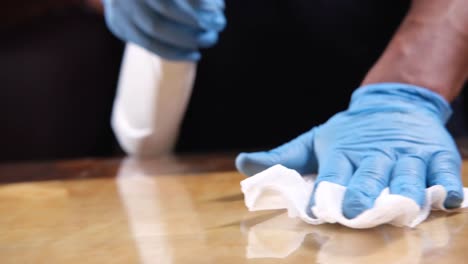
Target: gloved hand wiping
[(392, 135), (173, 29)]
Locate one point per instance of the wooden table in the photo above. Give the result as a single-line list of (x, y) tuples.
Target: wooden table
[(186, 209)]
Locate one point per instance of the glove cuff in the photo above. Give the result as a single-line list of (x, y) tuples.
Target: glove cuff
[(385, 93)]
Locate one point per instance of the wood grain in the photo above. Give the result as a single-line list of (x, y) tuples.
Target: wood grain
[(186, 210)]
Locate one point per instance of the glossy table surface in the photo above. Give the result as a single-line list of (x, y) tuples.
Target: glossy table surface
[(186, 210)]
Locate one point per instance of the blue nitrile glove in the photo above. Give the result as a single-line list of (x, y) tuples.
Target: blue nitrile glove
[(392, 135), (173, 29)]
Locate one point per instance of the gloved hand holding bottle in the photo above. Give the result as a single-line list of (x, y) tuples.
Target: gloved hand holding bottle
[(163, 41), (172, 29)]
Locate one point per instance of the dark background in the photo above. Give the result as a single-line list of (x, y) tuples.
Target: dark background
[(279, 68)]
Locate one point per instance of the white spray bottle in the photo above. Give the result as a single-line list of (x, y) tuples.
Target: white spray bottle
[(152, 96)]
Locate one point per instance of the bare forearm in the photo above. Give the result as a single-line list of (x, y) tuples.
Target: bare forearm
[(430, 48)]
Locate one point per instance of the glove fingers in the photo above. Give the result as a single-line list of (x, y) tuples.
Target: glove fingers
[(370, 178), (125, 29), (208, 4), (297, 154), (444, 169), (209, 13), (170, 32), (170, 52), (409, 179), (336, 168), (202, 16)]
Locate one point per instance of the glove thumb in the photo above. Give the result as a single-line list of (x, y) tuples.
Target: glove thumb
[(297, 154)]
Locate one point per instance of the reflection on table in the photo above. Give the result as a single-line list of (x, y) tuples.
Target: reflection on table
[(176, 210)]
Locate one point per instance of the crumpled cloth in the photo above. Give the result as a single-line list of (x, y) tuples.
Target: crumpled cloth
[(281, 188)]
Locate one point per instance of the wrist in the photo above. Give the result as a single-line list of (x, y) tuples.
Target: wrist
[(400, 96)]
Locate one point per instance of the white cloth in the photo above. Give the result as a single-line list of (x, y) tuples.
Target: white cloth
[(281, 188)]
